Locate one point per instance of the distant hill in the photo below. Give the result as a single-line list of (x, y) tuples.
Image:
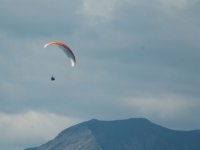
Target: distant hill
[(130, 134)]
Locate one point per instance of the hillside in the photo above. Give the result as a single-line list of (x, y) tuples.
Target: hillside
[(130, 134)]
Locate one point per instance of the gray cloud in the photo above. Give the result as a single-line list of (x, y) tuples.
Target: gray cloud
[(30, 127)]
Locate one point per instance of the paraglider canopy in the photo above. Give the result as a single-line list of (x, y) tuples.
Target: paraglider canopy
[(66, 49)]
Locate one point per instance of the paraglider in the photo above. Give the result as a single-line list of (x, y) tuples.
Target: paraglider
[(66, 50), (52, 78)]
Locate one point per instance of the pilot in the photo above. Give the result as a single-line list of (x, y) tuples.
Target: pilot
[(52, 78)]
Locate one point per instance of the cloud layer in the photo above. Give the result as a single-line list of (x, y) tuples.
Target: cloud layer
[(26, 128)]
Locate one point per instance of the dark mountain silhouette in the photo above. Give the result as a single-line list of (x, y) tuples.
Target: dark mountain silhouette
[(130, 134)]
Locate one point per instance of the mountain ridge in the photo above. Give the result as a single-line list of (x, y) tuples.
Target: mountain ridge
[(128, 134)]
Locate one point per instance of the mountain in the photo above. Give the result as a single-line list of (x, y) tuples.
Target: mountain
[(130, 134)]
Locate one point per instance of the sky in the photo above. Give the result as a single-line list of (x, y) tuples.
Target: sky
[(135, 58)]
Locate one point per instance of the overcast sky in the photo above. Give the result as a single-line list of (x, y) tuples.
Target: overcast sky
[(135, 58)]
